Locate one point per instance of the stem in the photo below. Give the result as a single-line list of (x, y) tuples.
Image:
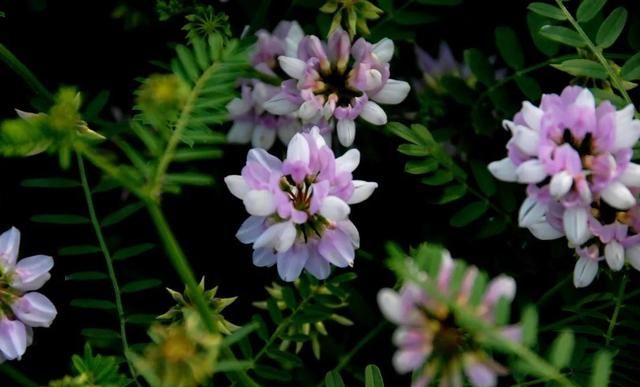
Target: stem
[(390, 15), (107, 258), (19, 68), (616, 311), (18, 377), (597, 52)]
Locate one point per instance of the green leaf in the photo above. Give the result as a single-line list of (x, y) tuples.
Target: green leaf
[(344, 277), (100, 333), (240, 333), (189, 154), (582, 68), (78, 250), (86, 276), (478, 288), (509, 47), (469, 213), (414, 150), (333, 379), (412, 18), (140, 285), (529, 87), (274, 311), (479, 65), (452, 193), (50, 183), (562, 350), (284, 357), (95, 106), (502, 311), (386, 5), (439, 177), (441, 2), (233, 365), (601, 369), (132, 251), (529, 326), (105, 185), (485, 180), (289, 297), (121, 214), (60, 219), (141, 319), (631, 69), (189, 178), (547, 10), (420, 167), (611, 28), (588, 9), (188, 62), (373, 376), (272, 373), (91, 303), (562, 35), (494, 226), (544, 45)]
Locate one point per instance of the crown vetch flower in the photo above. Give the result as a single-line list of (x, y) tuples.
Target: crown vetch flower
[(283, 40), (21, 309), (430, 342), (299, 207), (575, 158), (339, 81)]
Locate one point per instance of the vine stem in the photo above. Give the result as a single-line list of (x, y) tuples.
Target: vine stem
[(18, 377), (109, 262), (616, 310), (597, 52)]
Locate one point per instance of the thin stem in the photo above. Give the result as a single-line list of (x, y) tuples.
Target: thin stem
[(109, 262), (390, 15), (616, 311), (597, 52), (19, 68), (547, 295), (18, 377)]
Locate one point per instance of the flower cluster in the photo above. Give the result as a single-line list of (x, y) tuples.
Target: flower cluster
[(431, 344), (575, 158), (325, 85), (445, 64), (299, 207), (21, 309)]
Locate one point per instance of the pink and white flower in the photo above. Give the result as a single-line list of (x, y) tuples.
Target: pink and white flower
[(21, 309), (299, 207)]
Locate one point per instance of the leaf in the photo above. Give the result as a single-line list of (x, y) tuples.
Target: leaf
[(414, 150), (141, 319), (544, 45), (441, 2), (188, 154), (469, 213), (485, 180), (529, 326), (439, 177), (121, 214), (562, 35), (547, 10), (582, 68), (373, 376), (95, 106), (562, 350), (412, 18), (60, 219), (100, 333), (240, 333), (272, 373), (631, 69), (386, 5), (86, 276), (452, 193), (588, 9), (529, 87), (479, 65), (611, 27), (50, 183), (233, 365), (343, 278), (284, 357), (494, 226), (509, 47), (189, 178), (601, 369), (274, 311), (420, 167), (78, 250), (132, 251), (289, 297), (140, 285), (333, 379), (91, 303)]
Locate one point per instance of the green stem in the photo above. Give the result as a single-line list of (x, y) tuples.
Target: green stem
[(107, 258), (14, 64), (616, 311), (18, 377), (597, 52), (390, 15)]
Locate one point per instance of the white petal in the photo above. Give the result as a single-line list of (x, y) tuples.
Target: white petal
[(280, 104), (383, 50), (531, 212), (633, 256), (32, 272), (34, 309), (372, 79), (350, 229), (294, 67), (240, 132), (544, 231), (346, 132), (308, 110), (576, 228), (298, 150), (531, 172), (251, 229), (287, 237), (348, 162), (631, 176), (317, 137), (334, 208), (361, 191), (373, 113), (584, 272), (532, 115), (264, 257), (259, 202), (585, 99), (618, 196), (263, 137), (291, 263), (263, 158), (614, 255), (527, 140), (238, 107), (560, 184), (237, 186), (279, 236), (390, 305), (503, 170), (392, 93), (9, 246), (13, 338)]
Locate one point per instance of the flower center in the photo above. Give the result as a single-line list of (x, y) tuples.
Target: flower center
[(300, 196), (337, 83), (448, 341)]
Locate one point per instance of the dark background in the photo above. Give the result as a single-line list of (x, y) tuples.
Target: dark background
[(79, 43)]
